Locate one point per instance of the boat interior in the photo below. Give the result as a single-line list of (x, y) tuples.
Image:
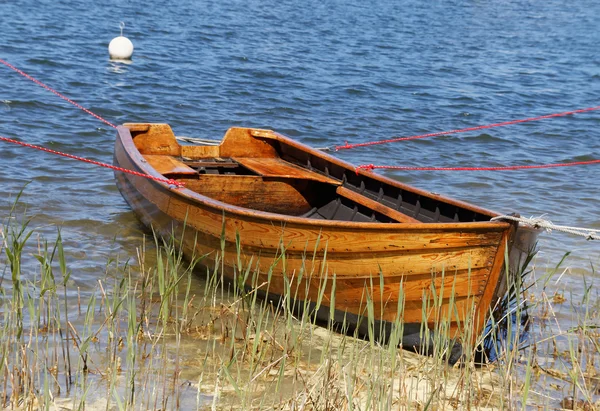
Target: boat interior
[(260, 170)]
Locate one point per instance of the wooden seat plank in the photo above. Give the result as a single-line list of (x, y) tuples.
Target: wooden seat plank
[(168, 165), (276, 167), (375, 206)]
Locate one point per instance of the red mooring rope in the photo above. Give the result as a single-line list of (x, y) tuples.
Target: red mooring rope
[(85, 160), (462, 130), (370, 167), (50, 89)]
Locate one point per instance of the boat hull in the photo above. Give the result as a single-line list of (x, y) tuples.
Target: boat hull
[(372, 278)]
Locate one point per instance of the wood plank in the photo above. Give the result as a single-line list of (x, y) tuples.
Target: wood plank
[(458, 285), (343, 238), (168, 165), (352, 298), (211, 164), (198, 152), (238, 142), (276, 167), (154, 139), (258, 132), (496, 276), (375, 206), (251, 192), (416, 270)]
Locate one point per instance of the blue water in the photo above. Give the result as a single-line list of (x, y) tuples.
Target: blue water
[(322, 73)]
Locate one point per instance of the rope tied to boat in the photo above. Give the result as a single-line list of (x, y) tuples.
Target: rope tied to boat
[(169, 181), (549, 226), (348, 146), (50, 89), (371, 167)]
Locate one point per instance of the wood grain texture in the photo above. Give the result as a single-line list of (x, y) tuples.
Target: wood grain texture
[(272, 136), (238, 142), (494, 280), (155, 139), (411, 270), (200, 151), (374, 205), (253, 192), (276, 167), (167, 165)]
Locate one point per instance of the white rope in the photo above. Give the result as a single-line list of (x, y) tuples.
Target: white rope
[(549, 226), (209, 142), (204, 141)]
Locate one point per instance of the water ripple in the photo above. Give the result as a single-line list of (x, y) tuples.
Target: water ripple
[(322, 73)]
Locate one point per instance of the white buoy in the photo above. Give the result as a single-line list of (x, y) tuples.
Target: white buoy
[(120, 48)]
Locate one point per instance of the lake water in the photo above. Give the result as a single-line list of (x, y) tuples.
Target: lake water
[(322, 73)]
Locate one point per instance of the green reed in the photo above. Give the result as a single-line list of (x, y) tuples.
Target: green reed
[(167, 333)]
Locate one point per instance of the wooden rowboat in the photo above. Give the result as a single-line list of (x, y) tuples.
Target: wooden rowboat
[(350, 238)]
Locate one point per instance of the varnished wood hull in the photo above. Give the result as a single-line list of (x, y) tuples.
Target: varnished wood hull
[(453, 269)]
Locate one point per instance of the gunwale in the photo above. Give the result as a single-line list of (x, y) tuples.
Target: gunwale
[(138, 163)]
